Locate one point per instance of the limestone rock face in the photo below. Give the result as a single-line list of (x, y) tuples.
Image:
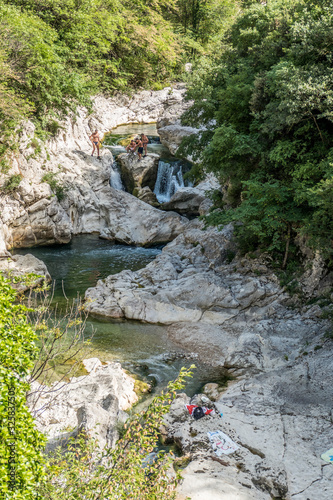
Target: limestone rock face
[(100, 397), (138, 174)]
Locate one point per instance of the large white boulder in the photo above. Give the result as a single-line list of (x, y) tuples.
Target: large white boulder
[(94, 402), (138, 174)]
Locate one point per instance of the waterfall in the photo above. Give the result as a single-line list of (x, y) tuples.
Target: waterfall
[(115, 179), (169, 180)]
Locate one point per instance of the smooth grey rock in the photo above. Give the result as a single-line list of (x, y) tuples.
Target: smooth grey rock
[(145, 194), (92, 402), (185, 201), (172, 136), (138, 174)]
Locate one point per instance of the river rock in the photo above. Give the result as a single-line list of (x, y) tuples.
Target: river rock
[(17, 266), (193, 201), (131, 221), (145, 194), (172, 135), (185, 201), (94, 402), (138, 174)]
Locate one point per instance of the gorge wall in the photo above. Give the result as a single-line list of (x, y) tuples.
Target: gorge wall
[(32, 215)]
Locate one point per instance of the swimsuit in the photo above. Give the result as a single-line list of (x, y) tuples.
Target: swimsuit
[(96, 142), (140, 150)]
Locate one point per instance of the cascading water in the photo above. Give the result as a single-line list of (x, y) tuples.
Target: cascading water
[(169, 180), (115, 179)]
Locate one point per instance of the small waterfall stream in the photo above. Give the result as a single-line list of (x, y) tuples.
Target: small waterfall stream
[(115, 178), (169, 180)]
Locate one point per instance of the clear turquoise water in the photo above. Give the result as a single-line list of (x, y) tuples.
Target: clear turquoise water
[(140, 347)]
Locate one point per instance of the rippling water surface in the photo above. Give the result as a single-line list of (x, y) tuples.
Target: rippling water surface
[(141, 348)]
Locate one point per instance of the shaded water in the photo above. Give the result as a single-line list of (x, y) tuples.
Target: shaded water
[(141, 348)]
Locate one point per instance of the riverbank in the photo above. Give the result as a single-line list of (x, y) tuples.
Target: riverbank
[(233, 312)]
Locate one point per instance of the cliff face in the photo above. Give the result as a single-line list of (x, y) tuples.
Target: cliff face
[(32, 215)]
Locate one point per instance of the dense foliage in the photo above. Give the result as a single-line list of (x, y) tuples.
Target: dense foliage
[(21, 459), (266, 102), (58, 53)]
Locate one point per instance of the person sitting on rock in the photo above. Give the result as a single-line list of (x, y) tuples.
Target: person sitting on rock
[(131, 147), (95, 140), (145, 141), (139, 147)]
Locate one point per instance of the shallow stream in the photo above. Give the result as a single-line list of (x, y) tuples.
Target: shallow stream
[(143, 349)]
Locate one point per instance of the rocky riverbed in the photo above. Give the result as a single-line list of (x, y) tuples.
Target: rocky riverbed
[(234, 312), (278, 409)]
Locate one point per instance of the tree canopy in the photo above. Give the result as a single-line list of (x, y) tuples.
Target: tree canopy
[(266, 102), (56, 54)]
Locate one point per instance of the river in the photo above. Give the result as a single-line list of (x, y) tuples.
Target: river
[(143, 349)]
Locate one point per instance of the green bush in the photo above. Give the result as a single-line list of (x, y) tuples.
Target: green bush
[(12, 183), (58, 189), (22, 461), (84, 473)]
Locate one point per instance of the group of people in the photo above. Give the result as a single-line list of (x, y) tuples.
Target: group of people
[(139, 144)]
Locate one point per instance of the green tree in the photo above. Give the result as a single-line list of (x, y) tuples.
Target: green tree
[(266, 103)]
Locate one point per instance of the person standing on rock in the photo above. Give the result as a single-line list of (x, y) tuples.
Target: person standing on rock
[(139, 146), (145, 141), (95, 140)]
